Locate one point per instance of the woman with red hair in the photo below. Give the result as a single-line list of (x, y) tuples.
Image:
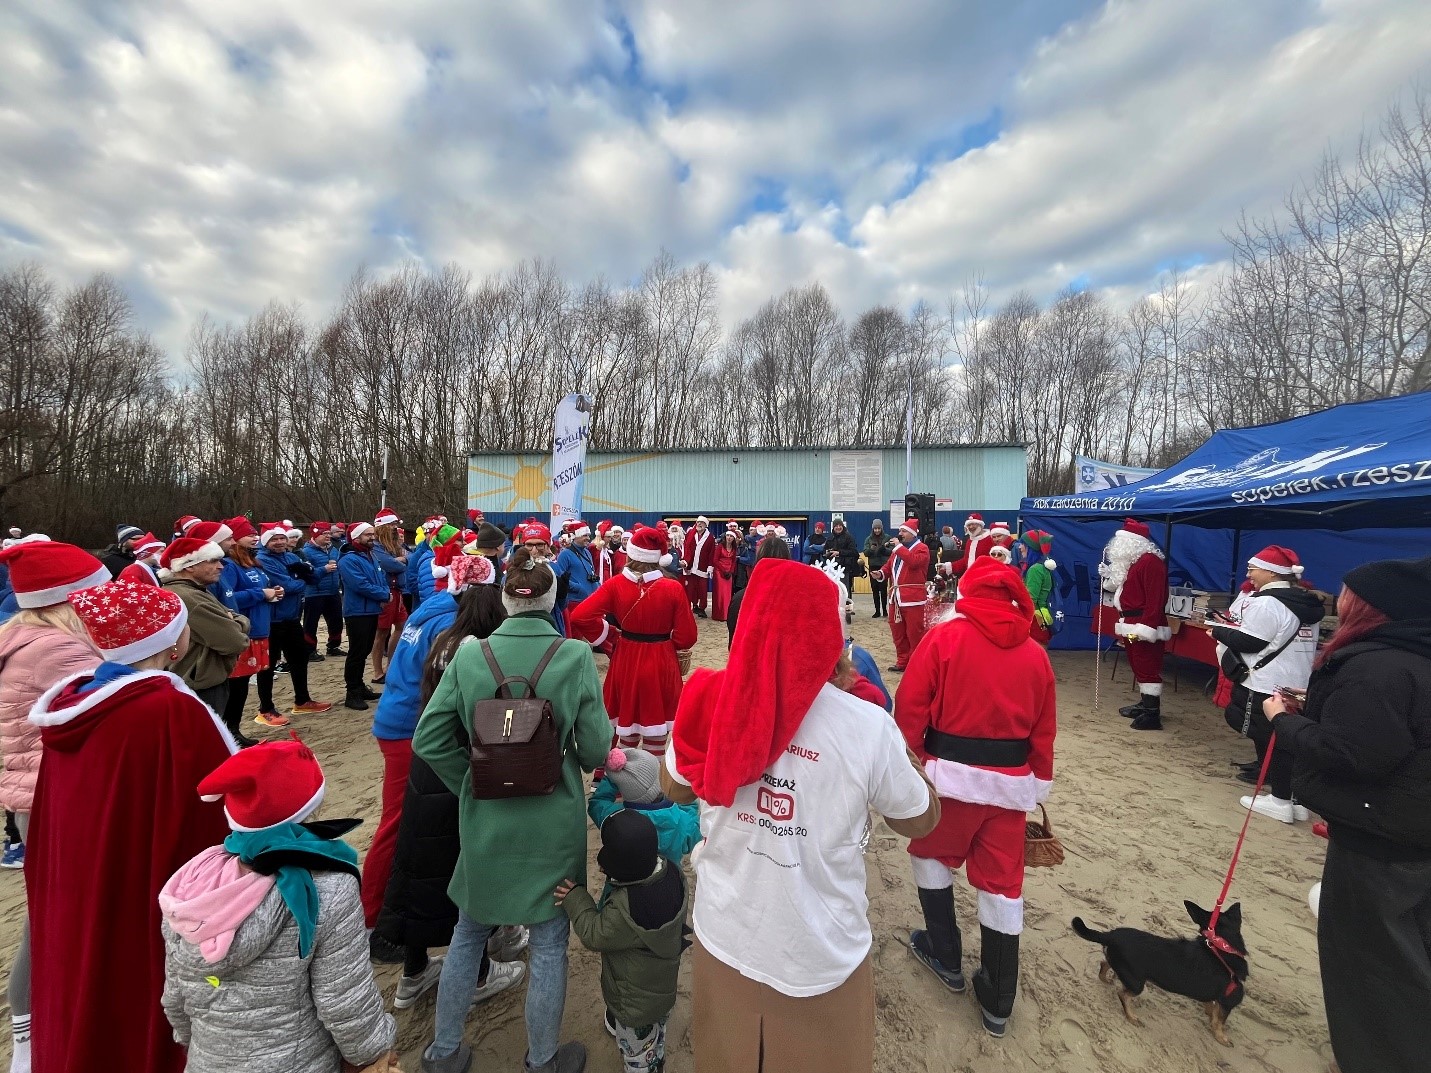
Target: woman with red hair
[(1362, 751)]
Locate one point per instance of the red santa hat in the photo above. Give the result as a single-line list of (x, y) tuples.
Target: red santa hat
[(993, 586), (647, 545), (781, 531), (703, 520), (603, 527), (357, 529), (577, 529), (271, 530), (732, 724), (340, 527), (1278, 559), (911, 526), (975, 520), (217, 532), (240, 527), (319, 527), (536, 531), (187, 522), (129, 622), (999, 530), (733, 526), (465, 571), (387, 516), (267, 785), (1137, 528), (45, 572), (189, 551), (149, 545)]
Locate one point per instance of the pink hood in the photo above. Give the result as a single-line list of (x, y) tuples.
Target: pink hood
[(207, 899)]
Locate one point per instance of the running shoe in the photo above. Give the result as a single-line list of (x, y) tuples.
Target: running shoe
[(313, 707), (500, 976), (271, 719), (411, 988), (14, 855)]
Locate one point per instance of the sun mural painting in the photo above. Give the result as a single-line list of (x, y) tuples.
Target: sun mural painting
[(525, 487)]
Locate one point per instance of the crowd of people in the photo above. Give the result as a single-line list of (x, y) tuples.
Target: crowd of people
[(235, 932)]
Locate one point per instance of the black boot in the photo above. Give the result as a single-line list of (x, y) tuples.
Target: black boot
[(1132, 711), (356, 701), (996, 981), (940, 947), (1150, 718)]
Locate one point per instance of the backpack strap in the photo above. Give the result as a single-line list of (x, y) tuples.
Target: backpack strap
[(542, 664), (504, 688)]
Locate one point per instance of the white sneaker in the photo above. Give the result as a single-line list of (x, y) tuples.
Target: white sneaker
[(411, 988), (1314, 899), (1299, 813), (1275, 807), (508, 942), (500, 976)]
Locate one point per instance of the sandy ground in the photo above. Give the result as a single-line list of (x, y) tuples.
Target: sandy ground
[(1147, 820)]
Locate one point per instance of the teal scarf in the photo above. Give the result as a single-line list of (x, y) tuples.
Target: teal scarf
[(294, 881)]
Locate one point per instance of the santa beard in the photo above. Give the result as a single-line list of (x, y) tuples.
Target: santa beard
[(1120, 554)]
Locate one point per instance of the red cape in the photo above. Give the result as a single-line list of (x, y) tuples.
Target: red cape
[(116, 813)]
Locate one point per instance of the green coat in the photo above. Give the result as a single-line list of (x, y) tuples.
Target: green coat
[(1039, 581), (638, 965), (515, 851)]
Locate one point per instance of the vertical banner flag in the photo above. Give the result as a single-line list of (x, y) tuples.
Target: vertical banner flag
[(573, 427), (1091, 475)]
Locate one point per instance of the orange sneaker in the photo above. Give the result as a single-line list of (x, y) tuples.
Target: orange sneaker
[(313, 707), (271, 719)]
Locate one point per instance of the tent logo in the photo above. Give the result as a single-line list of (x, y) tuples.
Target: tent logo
[(1259, 467)]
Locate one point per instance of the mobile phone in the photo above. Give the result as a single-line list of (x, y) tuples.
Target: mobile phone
[(1294, 699)]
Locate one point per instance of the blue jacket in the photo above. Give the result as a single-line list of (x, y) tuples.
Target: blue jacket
[(241, 589), (678, 827), (748, 545), (365, 587), (323, 583), (396, 717), (279, 572), (866, 665), (576, 566), (396, 571), (419, 562)]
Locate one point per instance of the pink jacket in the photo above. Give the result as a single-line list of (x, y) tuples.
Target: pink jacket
[(32, 659)]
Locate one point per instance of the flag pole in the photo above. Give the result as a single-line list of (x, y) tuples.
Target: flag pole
[(909, 436), (383, 497)]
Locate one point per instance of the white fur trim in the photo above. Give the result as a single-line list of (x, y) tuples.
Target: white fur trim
[(1152, 689), (1276, 568), (641, 555), (931, 874), (982, 786), (41, 716), (358, 530), (656, 730), (1002, 914), (153, 644), (601, 637), (1042, 788), (58, 593), (1141, 632), (671, 768), (649, 575), (298, 817), (209, 553)]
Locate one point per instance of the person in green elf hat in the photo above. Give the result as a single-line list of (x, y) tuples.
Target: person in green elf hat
[(1038, 577)]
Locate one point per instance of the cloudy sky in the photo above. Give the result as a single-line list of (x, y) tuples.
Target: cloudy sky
[(214, 155)]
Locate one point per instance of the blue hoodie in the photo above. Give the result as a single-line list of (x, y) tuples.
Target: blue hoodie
[(240, 589), (276, 567), (397, 712), (365, 586), (323, 583)]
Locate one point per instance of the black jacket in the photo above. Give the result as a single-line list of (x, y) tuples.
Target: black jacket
[(876, 554), (843, 545), (115, 559), (1363, 746), (416, 909)]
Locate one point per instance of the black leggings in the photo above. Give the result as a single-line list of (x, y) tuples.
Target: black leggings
[(237, 701), (879, 589), (285, 641), (1245, 710), (361, 631), (330, 609)]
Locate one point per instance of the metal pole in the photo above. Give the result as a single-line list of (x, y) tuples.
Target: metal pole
[(909, 436), (383, 497)]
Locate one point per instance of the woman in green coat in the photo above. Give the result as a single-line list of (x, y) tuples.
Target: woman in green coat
[(515, 851)]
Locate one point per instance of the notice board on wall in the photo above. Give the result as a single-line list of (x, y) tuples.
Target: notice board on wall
[(856, 481)]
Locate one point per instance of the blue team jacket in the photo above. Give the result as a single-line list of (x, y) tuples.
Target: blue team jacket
[(279, 572), (396, 717), (241, 589), (365, 586), (323, 583)]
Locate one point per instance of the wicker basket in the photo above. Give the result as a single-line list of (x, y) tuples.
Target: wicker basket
[(683, 659), (1041, 848)]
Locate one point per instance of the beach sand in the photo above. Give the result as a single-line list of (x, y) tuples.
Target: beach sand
[(1146, 819)]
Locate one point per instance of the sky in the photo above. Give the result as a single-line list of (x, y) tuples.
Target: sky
[(214, 156)]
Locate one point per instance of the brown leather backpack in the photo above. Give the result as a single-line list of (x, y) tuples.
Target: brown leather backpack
[(515, 748)]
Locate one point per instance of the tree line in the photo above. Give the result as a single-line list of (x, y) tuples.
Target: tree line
[(1324, 302)]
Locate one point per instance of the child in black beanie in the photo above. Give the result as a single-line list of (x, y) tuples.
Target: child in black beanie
[(639, 928)]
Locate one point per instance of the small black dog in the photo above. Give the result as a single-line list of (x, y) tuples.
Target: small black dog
[(1182, 966)]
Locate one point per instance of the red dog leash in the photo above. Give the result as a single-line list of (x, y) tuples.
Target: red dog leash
[(1220, 946)]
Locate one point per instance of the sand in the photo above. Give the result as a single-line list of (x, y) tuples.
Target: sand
[(1147, 820)]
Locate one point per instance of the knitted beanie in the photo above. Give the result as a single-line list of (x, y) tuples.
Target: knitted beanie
[(636, 773)]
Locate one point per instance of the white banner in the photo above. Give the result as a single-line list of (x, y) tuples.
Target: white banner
[(1091, 475), (573, 428)]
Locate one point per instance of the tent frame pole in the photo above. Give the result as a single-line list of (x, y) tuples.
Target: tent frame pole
[(1236, 558)]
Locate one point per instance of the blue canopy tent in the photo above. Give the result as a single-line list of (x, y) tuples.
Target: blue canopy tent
[(1343, 487)]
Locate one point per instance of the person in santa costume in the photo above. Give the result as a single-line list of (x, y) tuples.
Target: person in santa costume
[(978, 541), (1135, 573), (698, 559), (977, 705), (651, 618), (908, 567), (116, 812), (144, 570), (723, 570), (273, 915), (787, 766)]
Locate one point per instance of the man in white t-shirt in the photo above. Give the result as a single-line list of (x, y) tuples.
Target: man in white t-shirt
[(789, 766)]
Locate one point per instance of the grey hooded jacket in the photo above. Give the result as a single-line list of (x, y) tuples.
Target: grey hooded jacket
[(263, 1009)]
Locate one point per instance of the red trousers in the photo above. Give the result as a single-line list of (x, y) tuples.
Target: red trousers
[(906, 627), (1145, 660), (986, 838), (696, 587), (378, 864)]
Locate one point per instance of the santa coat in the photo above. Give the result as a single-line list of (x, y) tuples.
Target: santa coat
[(601, 559), (643, 683), (973, 548), (908, 571), (699, 553), (116, 813), (1142, 600)]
